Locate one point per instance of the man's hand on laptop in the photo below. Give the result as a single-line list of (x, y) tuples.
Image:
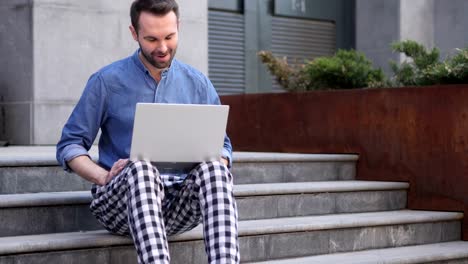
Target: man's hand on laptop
[(116, 169)]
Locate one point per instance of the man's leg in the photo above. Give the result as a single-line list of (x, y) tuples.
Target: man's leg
[(207, 192), (132, 203)]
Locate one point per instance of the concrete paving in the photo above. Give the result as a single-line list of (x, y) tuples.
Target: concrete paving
[(449, 252), (45, 155), (32, 155), (39, 213), (291, 206), (317, 187), (287, 227), (242, 190), (34, 169)]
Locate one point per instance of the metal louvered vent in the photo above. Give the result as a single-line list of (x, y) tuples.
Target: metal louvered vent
[(226, 54), (301, 39)]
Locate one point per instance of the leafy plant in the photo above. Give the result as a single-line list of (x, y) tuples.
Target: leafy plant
[(423, 67), (347, 69), (290, 77)]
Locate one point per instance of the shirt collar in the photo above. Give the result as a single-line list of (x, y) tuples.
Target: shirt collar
[(141, 66)]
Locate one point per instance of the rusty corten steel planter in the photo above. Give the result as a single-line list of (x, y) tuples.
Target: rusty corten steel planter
[(418, 135)]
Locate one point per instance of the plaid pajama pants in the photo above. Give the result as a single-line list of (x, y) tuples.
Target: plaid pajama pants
[(148, 206)]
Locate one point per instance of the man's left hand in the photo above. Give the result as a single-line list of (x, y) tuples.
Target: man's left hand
[(225, 161)]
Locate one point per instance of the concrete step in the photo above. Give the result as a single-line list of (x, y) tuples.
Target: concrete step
[(34, 169), (257, 167), (39, 213), (437, 253), (260, 240)]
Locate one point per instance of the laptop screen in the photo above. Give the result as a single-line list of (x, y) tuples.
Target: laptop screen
[(178, 133)]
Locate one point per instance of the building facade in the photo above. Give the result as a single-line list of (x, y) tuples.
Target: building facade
[(297, 29), (49, 48)]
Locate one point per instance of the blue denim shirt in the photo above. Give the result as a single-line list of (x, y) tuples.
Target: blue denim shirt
[(109, 102)]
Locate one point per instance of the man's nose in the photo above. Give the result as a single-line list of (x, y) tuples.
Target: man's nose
[(162, 47)]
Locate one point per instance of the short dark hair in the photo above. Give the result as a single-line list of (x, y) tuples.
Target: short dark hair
[(156, 7)]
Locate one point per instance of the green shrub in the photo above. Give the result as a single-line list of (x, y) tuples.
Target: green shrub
[(424, 67), (347, 69), (290, 77)]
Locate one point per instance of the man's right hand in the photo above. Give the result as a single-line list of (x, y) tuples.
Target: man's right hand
[(87, 169), (116, 169)]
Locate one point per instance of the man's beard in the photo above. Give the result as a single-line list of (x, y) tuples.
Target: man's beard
[(159, 65)]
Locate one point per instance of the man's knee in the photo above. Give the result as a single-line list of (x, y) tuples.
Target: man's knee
[(143, 168), (143, 177), (214, 171)]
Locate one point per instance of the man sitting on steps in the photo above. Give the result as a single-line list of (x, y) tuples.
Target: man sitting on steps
[(131, 197)]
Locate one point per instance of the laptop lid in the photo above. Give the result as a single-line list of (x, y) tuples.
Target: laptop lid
[(176, 137)]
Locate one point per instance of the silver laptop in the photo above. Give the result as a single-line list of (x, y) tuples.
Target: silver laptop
[(177, 137)]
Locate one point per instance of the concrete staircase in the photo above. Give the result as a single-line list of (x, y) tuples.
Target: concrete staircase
[(293, 209)]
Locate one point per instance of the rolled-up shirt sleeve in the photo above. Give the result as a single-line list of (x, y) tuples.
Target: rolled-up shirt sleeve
[(81, 129), (70, 152)]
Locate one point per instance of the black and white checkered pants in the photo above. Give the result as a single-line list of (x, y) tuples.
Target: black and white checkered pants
[(148, 206)]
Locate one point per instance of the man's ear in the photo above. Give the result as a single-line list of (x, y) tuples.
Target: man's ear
[(134, 33)]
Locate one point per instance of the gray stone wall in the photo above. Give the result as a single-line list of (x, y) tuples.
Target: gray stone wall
[(16, 69), (451, 25), (417, 21), (72, 39), (377, 25), (438, 23), (49, 48)]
